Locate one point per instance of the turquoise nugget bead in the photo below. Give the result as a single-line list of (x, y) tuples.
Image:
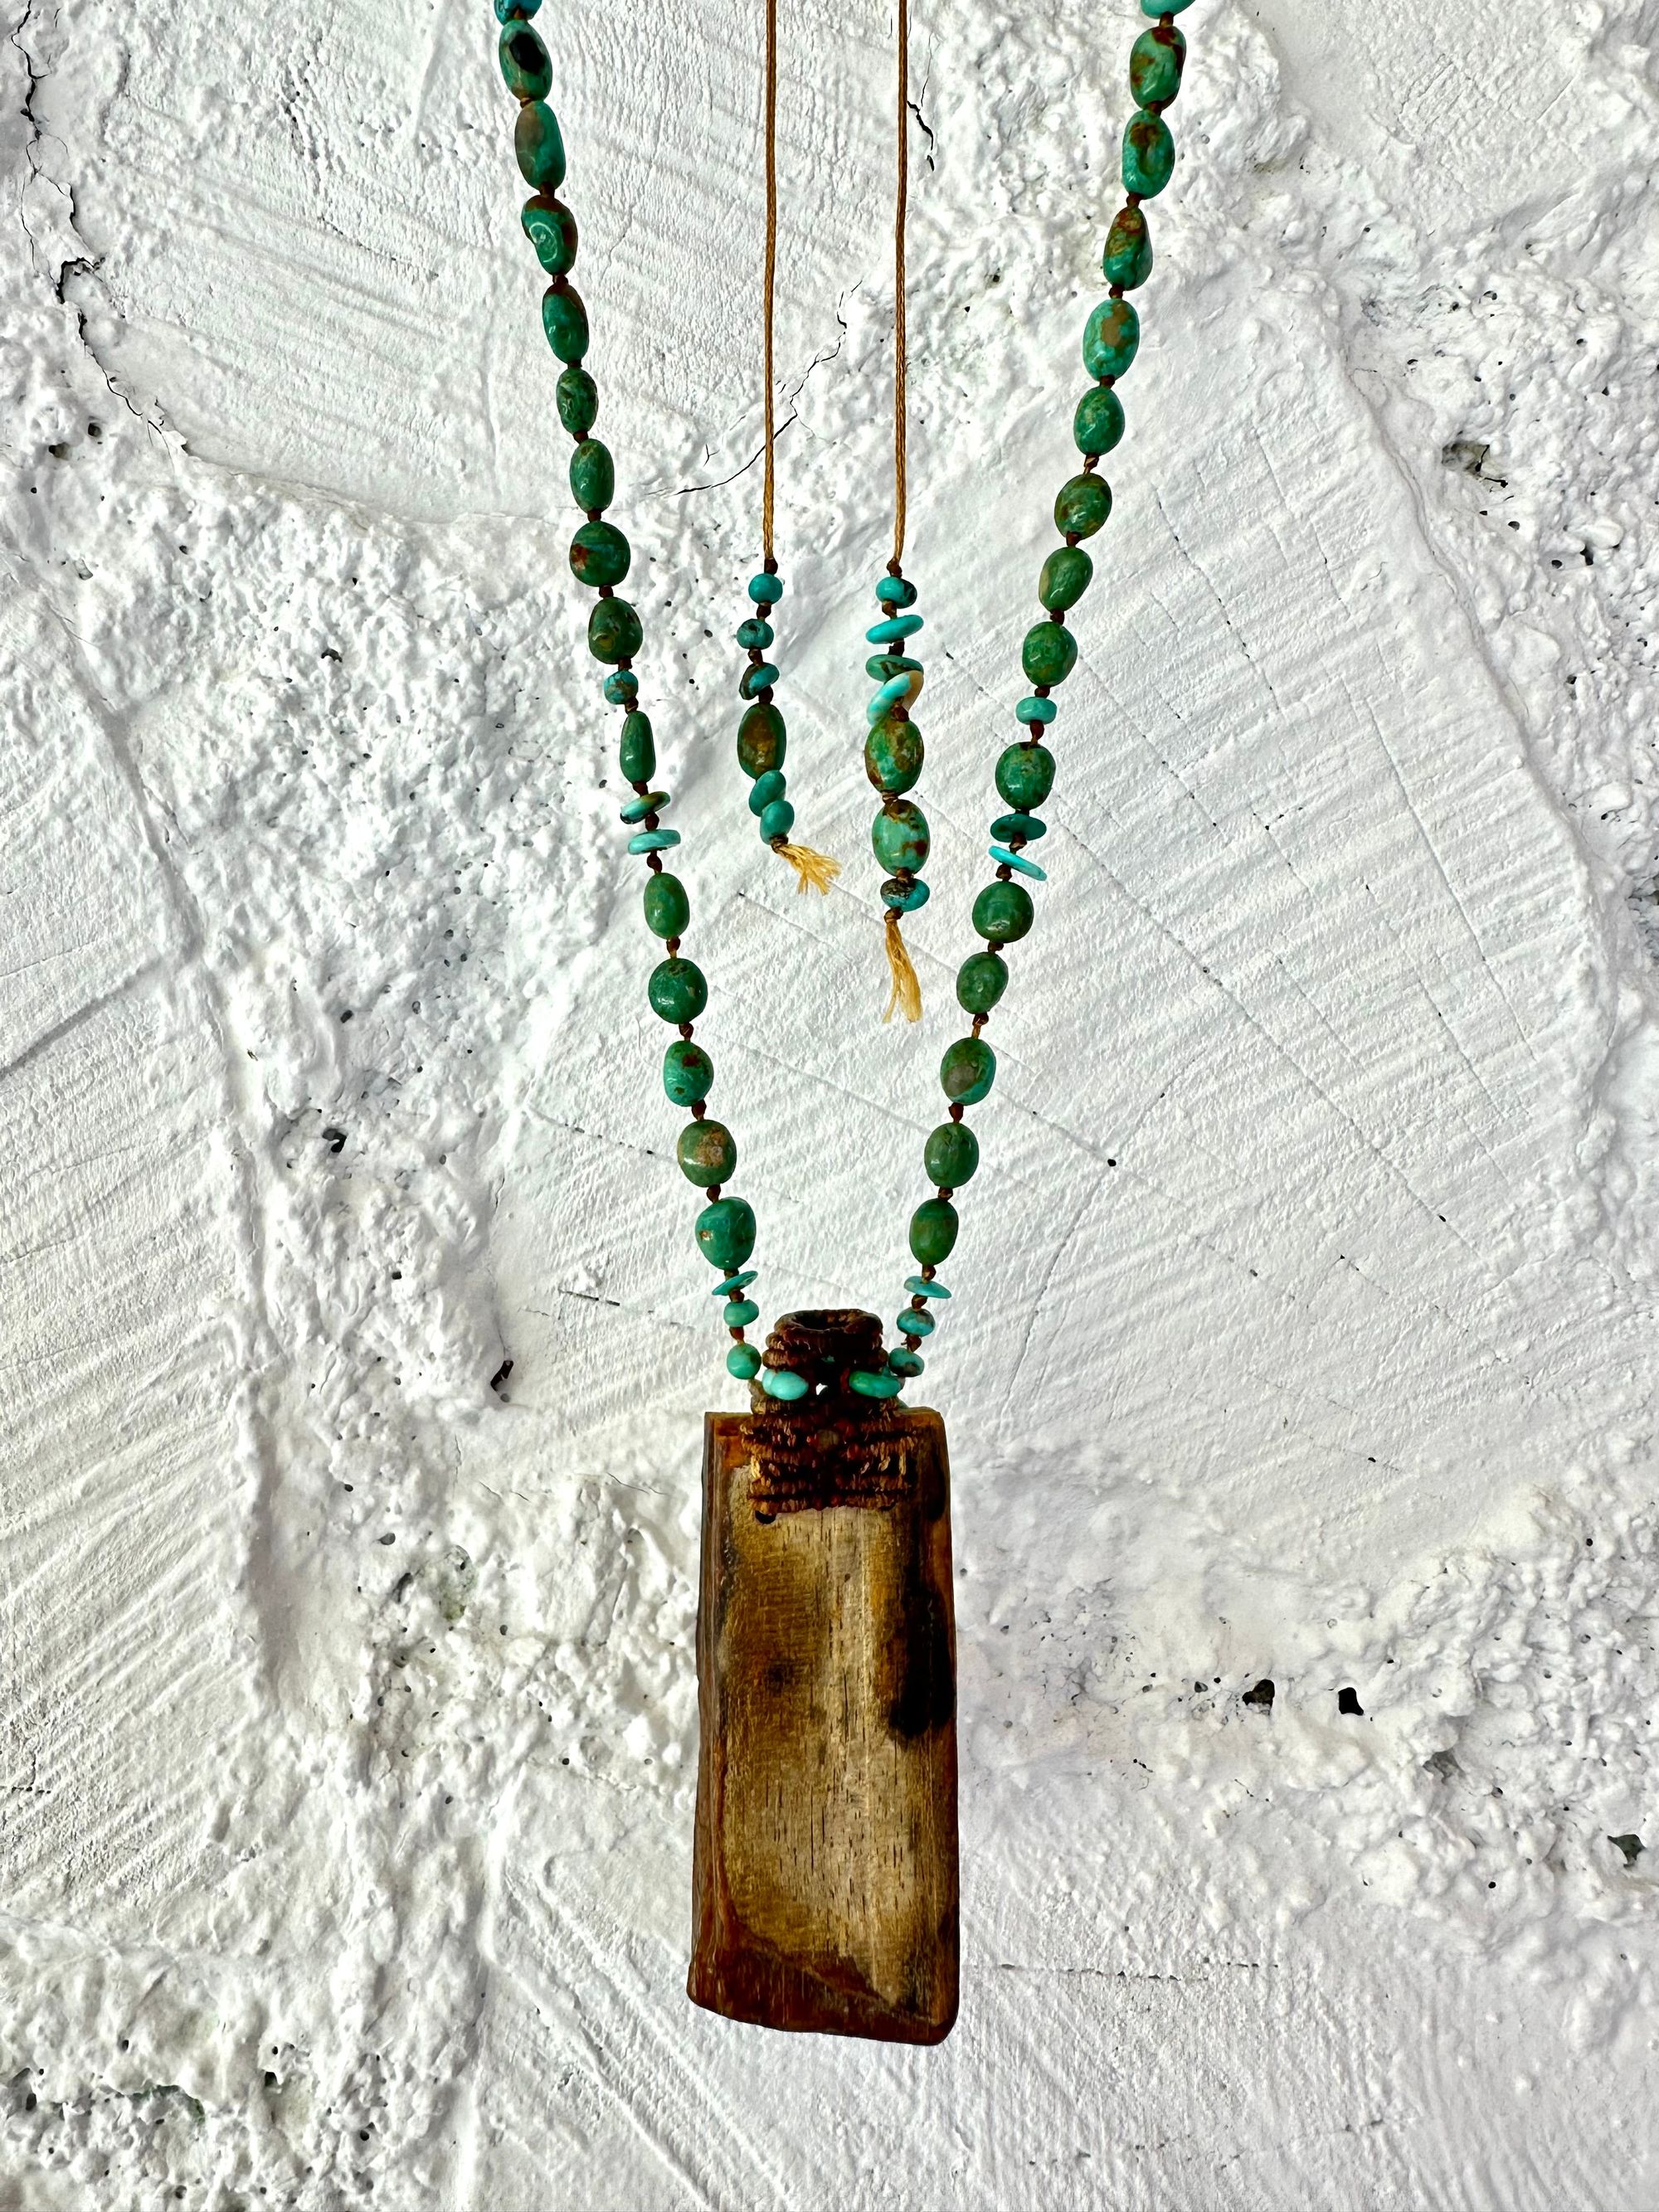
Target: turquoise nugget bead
[(1148, 155), (1049, 652), (614, 632), (733, 1283), (538, 147), (1111, 337), (743, 1361), (912, 1323), (564, 321), (1067, 575), (895, 626), (904, 897), (880, 665), (761, 677), (920, 1287), (903, 1362), (506, 9), (1007, 859), (777, 820), (1036, 710), (622, 689), (895, 592), (652, 802), (636, 751), (899, 837), (764, 789), (525, 65), (652, 840), (726, 1233), (765, 591), (755, 635), (779, 1382), (868, 1385), (740, 1313), (687, 1073), (551, 229), (895, 689), (1006, 827)]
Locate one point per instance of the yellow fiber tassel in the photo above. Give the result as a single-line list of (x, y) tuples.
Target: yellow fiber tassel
[(907, 991), (814, 870)]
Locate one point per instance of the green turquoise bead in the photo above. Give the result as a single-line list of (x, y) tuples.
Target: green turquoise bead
[(577, 397), (902, 1361), (1127, 259), (1025, 775), (1003, 914), (898, 835), (896, 591), (761, 677), (951, 1155), (911, 1323), (1036, 710), (761, 738), (1048, 654), (1025, 826), (525, 66), (551, 229), (743, 1362), (1067, 575), (894, 629), (538, 147), (622, 689), (904, 897), (1004, 858), (981, 981), (1155, 61), (726, 1233), (880, 665), (895, 692), (920, 1287), (667, 906), (1165, 7), (734, 1284), (740, 1313), (653, 840), (777, 820), (613, 631), (1098, 422), (592, 475), (564, 320), (1148, 155), (600, 554), (968, 1071), (765, 590), (893, 754), (1082, 505), (648, 802), (881, 1385), (1111, 337), (781, 1383), (707, 1152), (755, 635), (686, 1072), (765, 788), (933, 1230), (506, 9), (636, 750), (678, 992)]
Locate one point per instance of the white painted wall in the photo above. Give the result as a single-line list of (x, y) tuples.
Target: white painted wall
[(1304, 1324)]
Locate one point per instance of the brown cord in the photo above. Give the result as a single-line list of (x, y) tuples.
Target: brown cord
[(770, 280), (901, 197)]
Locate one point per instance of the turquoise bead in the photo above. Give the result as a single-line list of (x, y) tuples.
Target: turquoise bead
[(880, 665), (506, 9), (667, 908), (733, 1283), (1127, 259), (1111, 338), (577, 397), (781, 1383), (613, 631), (777, 820), (1098, 422), (1005, 859), (755, 635), (652, 840), (968, 1071), (912, 1323), (600, 554), (1155, 61), (896, 687), (891, 631), (525, 64), (981, 981), (740, 1313), (899, 836), (636, 751), (743, 1362), (1082, 505), (893, 754), (1148, 155), (726, 1233), (687, 1073), (707, 1152), (564, 321), (1049, 652), (1165, 7), (538, 147), (951, 1155), (903, 897), (761, 738), (1036, 710), (1025, 774), (551, 229), (920, 1287), (765, 590), (1067, 575), (1003, 914), (678, 992), (896, 591), (622, 689), (868, 1385), (764, 789), (761, 677), (592, 475), (902, 1361), (1007, 827), (651, 802)]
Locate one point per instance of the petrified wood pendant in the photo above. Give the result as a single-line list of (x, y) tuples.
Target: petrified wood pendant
[(825, 1871)]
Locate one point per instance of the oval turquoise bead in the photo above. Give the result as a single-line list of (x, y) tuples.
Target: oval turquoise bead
[(761, 738), (868, 1385), (551, 229), (1048, 654), (678, 992), (777, 820), (1155, 61), (899, 836), (622, 689), (538, 147), (564, 320), (765, 590), (592, 475), (920, 1287), (893, 754), (1165, 7), (614, 631), (600, 554), (648, 802), (1002, 915), (896, 591), (761, 677), (525, 68), (577, 397), (912, 1323), (686, 1072), (903, 897), (968, 1071), (707, 1152), (1005, 859), (740, 1313), (652, 840), (765, 788), (726, 1233), (1082, 505), (1007, 827), (1036, 710), (636, 749), (733, 1283), (1067, 575), (1098, 422), (1127, 259), (894, 628), (667, 906), (902, 1361), (951, 1155), (1148, 155), (743, 1362), (981, 981), (1025, 775), (1111, 338), (782, 1384), (755, 635)]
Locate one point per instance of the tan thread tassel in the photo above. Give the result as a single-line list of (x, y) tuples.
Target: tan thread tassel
[(814, 871), (907, 991)]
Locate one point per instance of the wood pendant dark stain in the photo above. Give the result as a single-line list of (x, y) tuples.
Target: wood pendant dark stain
[(825, 1872)]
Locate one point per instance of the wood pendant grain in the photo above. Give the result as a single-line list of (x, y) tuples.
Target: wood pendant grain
[(825, 1872)]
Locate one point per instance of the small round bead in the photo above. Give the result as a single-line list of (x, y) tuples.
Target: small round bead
[(678, 992), (564, 321), (764, 789), (781, 1383), (777, 820), (1067, 575), (1148, 154), (652, 840), (551, 229), (912, 1323), (1002, 915), (981, 981), (1082, 505), (707, 1152), (622, 689), (1036, 710), (614, 632), (1025, 774), (899, 835), (648, 802), (920, 1287), (1155, 61), (893, 754), (592, 475), (765, 591), (577, 397), (761, 738), (896, 591), (951, 1155), (538, 147), (1049, 652), (1111, 338), (894, 628), (968, 1071), (755, 635), (761, 677), (636, 751), (902, 1361), (904, 897), (1128, 261), (1098, 422), (726, 1233), (667, 908), (743, 1362), (686, 1072), (1005, 859), (1029, 827), (525, 68), (600, 554), (740, 1313), (883, 1384)]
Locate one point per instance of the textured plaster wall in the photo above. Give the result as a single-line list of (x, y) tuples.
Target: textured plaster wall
[(1304, 1327)]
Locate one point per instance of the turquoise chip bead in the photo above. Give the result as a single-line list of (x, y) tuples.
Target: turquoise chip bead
[(1036, 710), (1098, 422), (880, 665), (592, 475), (743, 1362), (765, 788), (636, 750), (777, 820), (740, 1312), (622, 689), (577, 399), (1082, 505), (600, 554), (1148, 154), (891, 631), (667, 908), (652, 840), (1155, 61), (1029, 827), (761, 677), (733, 1283), (726, 1233), (524, 64), (1025, 775), (1111, 338), (933, 1230), (904, 897), (951, 1155), (884, 1385), (755, 635), (764, 590), (1007, 859), (912, 1323), (920, 1287), (903, 686), (1067, 575), (781, 1383), (905, 1362), (1049, 652), (895, 592), (653, 802), (1128, 258)]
